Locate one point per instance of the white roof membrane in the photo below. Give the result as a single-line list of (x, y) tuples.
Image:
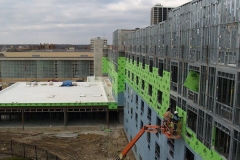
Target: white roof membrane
[(51, 92)]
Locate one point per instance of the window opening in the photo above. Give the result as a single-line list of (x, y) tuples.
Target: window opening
[(143, 85), (222, 142), (137, 100), (160, 68), (174, 77), (170, 143), (225, 92), (131, 112), (159, 96), (236, 145), (211, 88), (131, 92), (151, 65), (142, 107), (133, 59), (143, 62), (157, 151), (184, 105), (158, 123), (208, 129), (174, 74), (200, 135), (225, 96), (155, 50), (136, 119), (192, 120), (237, 111), (137, 61), (173, 105), (150, 90), (148, 139), (141, 124), (189, 155), (149, 114)]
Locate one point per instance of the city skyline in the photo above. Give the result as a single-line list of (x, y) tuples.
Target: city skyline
[(72, 22)]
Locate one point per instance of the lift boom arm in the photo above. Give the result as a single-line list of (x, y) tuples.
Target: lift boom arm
[(147, 128)]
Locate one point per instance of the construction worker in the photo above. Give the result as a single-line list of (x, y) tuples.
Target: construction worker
[(168, 115), (167, 119), (176, 117), (175, 121)]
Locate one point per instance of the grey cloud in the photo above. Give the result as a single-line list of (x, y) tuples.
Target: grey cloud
[(72, 21)]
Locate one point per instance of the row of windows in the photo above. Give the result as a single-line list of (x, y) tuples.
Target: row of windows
[(150, 88), (159, 63), (219, 84), (198, 121), (170, 142)]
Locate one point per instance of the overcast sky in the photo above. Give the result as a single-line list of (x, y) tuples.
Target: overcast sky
[(72, 21)]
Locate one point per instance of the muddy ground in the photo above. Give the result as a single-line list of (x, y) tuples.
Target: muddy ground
[(86, 143)]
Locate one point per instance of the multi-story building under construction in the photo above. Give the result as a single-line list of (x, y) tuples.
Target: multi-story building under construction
[(190, 63)]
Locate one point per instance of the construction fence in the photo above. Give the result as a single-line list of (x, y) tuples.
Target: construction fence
[(27, 151)]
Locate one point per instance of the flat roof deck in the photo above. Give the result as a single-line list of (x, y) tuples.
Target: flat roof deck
[(44, 92)]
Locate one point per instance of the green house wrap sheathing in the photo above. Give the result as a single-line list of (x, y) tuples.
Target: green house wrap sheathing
[(157, 82), (192, 81), (121, 76), (111, 105), (162, 84), (191, 139), (104, 65), (116, 74)]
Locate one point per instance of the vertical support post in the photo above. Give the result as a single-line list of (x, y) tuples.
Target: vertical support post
[(65, 117), (231, 152), (214, 136), (46, 155), (12, 147), (120, 116), (36, 152), (24, 151), (107, 116), (23, 118), (235, 99)]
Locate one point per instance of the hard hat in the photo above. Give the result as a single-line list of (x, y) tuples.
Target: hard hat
[(176, 112)]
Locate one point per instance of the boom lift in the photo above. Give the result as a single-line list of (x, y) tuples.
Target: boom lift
[(147, 128), (170, 129)]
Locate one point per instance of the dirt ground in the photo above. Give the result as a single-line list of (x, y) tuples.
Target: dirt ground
[(96, 143)]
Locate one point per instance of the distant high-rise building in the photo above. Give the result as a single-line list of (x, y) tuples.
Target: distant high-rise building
[(159, 13), (104, 42)]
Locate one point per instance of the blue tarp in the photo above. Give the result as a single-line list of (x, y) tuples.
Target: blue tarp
[(67, 83)]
